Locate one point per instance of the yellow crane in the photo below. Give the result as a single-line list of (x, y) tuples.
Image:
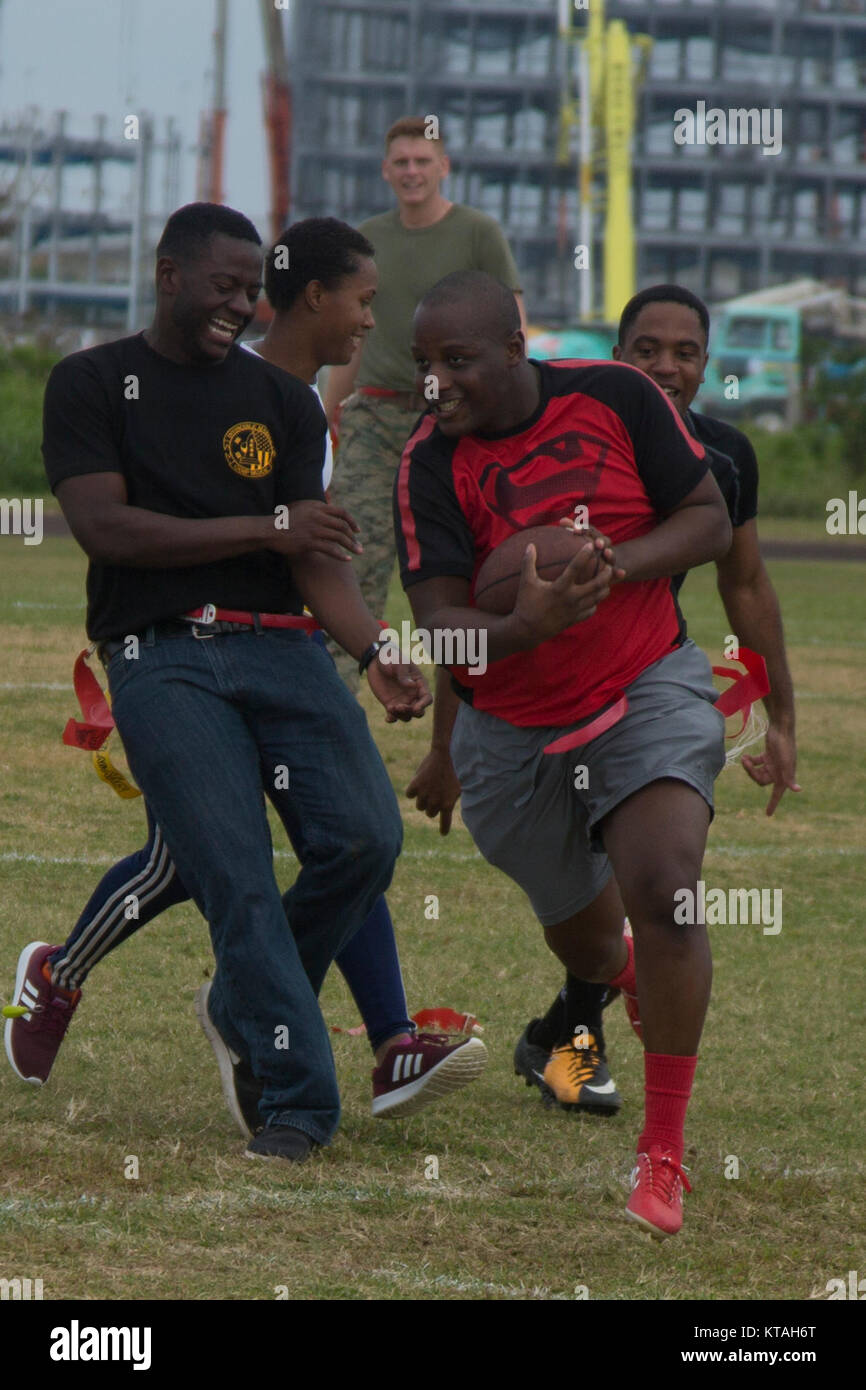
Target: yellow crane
[(607, 76)]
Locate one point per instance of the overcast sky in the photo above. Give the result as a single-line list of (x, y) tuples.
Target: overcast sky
[(89, 57)]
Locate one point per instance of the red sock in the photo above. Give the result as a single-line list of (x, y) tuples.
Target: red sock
[(625, 980), (667, 1087)]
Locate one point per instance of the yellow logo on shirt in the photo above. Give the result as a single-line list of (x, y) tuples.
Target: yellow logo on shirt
[(249, 449)]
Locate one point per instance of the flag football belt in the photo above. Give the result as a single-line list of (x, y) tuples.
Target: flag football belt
[(230, 619), (745, 688), (96, 725)]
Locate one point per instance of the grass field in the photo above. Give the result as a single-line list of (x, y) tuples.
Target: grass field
[(528, 1202)]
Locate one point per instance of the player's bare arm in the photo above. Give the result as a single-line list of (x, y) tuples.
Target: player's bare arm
[(697, 530), (435, 785), (113, 532), (753, 612), (541, 609), (331, 592)]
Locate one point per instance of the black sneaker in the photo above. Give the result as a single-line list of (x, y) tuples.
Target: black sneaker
[(241, 1089), (281, 1141), (577, 1078), (574, 1075), (530, 1058)]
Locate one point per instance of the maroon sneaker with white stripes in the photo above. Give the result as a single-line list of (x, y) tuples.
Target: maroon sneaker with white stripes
[(413, 1074), (33, 1037)]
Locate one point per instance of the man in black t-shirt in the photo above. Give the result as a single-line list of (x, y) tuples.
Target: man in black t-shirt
[(191, 474)]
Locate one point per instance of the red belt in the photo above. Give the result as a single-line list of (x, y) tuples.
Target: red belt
[(209, 613), (599, 725), (739, 697)]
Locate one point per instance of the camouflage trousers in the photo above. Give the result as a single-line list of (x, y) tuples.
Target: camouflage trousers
[(373, 432)]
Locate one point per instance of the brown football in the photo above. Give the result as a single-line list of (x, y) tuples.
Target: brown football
[(498, 580)]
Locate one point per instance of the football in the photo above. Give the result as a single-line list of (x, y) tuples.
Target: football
[(498, 579)]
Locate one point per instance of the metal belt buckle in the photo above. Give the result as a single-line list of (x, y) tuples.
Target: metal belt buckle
[(208, 616)]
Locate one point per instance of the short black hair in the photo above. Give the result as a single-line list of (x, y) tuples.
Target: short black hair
[(319, 248), (492, 303), (189, 229), (662, 294)]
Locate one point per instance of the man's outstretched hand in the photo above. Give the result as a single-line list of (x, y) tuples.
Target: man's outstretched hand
[(436, 788), (777, 765)]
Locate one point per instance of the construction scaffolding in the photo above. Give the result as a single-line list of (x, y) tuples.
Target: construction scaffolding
[(88, 264), (722, 219)]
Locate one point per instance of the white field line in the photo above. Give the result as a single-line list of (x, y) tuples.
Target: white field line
[(456, 856), (328, 1194), (16, 856), (406, 1274), (36, 685)]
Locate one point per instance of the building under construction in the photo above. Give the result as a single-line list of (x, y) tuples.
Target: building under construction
[(722, 218), (92, 266)]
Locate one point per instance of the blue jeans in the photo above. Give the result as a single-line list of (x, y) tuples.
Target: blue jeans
[(200, 719), (369, 962)]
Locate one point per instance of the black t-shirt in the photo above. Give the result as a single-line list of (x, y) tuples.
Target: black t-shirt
[(732, 462), (238, 438), (733, 465)]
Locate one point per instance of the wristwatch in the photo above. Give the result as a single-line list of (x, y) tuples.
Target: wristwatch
[(371, 653)]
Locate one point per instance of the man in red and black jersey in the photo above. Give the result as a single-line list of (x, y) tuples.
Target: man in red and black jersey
[(510, 444), (664, 331)]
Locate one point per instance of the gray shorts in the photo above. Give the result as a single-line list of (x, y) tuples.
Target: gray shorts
[(535, 815)]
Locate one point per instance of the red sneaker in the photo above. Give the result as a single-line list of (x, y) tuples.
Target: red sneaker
[(33, 1038), (413, 1074), (656, 1201)]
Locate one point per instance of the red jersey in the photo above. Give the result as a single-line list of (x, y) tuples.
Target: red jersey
[(603, 436)]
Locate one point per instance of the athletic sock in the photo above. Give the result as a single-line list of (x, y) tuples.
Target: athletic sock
[(547, 1031), (667, 1088), (48, 972), (583, 1005), (625, 980)]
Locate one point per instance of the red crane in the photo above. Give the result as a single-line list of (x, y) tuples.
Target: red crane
[(277, 95), (213, 122), (277, 102)]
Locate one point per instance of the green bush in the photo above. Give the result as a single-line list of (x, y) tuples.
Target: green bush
[(23, 373), (799, 470)]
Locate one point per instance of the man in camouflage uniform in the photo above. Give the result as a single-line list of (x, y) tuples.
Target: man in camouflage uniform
[(424, 238)]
